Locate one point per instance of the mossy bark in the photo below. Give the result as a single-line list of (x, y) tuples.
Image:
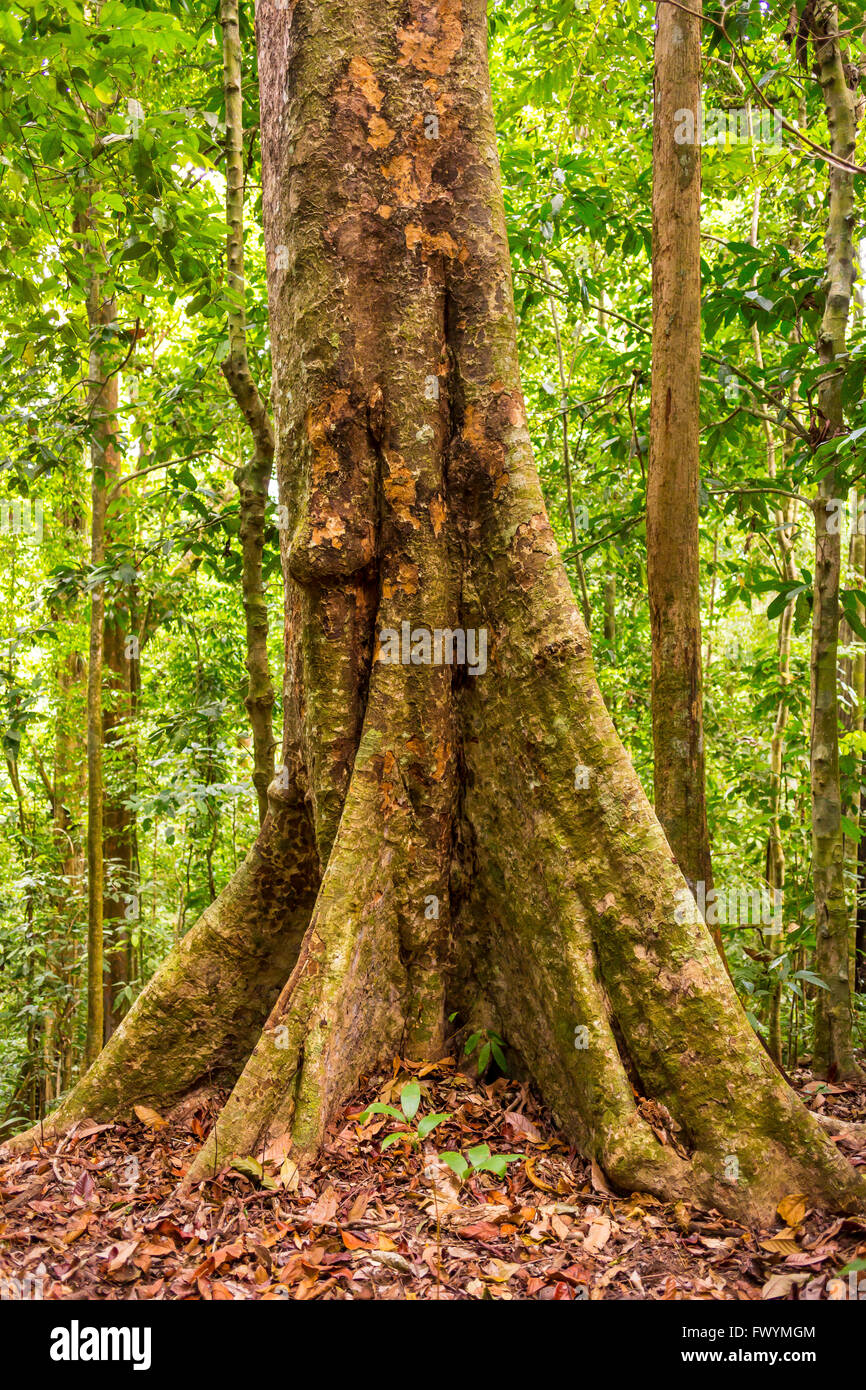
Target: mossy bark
[(834, 1055), (118, 826), (452, 838), (673, 562), (102, 408)]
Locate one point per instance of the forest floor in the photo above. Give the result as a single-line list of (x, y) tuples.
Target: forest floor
[(97, 1215)]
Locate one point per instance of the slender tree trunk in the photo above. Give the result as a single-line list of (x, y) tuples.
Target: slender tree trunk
[(833, 1053), (453, 833), (775, 870), (253, 477), (67, 791), (102, 405), (673, 563), (853, 669), (610, 611), (566, 454), (860, 928), (118, 823), (786, 519), (69, 796)]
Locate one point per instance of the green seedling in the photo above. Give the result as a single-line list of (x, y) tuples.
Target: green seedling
[(410, 1099), (478, 1160)]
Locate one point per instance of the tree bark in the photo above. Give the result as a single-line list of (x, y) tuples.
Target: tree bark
[(66, 789), (775, 868), (463, 837), (68, 796), (853, 673), (833, 1052), (253, 477), (101, 405), (118, 822), (673, 564)]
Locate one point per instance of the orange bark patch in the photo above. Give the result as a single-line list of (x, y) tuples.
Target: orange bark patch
[(487, 447), (438, 512), (401, 172), (321, 422), (387, 783), (443, 751), (433, 38), (405, 581), (381, 133), (363, 76), (430, 242), (399, 488), (331, 529)]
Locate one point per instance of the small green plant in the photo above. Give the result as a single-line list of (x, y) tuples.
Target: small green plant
[(478, 1160), (410, 1099), (487, 1044)]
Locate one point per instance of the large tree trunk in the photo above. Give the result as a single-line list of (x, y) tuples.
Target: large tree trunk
[(834, 1055), (673, 563), (441, 837)]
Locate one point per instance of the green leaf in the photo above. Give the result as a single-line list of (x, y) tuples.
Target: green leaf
[(810, 978), (379, 1109), (51, 144), (456, 1162), (251, 1168), (395, 1138), (429, 1123), (498, 1163), (478, 1154), (410, 1099), (10, 29), (783, 598), (134, 249)]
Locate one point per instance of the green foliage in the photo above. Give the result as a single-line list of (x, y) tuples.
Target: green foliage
[(487, 1044), (410, 1099), (478, 1160)]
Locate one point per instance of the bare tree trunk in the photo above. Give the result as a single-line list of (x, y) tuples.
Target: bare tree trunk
[(118, 823), (786, 520), (673, 562), (853, 671), (775, 870), (460, 830), (833, 1051), (102, 405), (69, 795), (253, 477)]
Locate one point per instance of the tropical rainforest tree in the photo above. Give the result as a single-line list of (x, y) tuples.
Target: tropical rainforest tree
[(407, 869)]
